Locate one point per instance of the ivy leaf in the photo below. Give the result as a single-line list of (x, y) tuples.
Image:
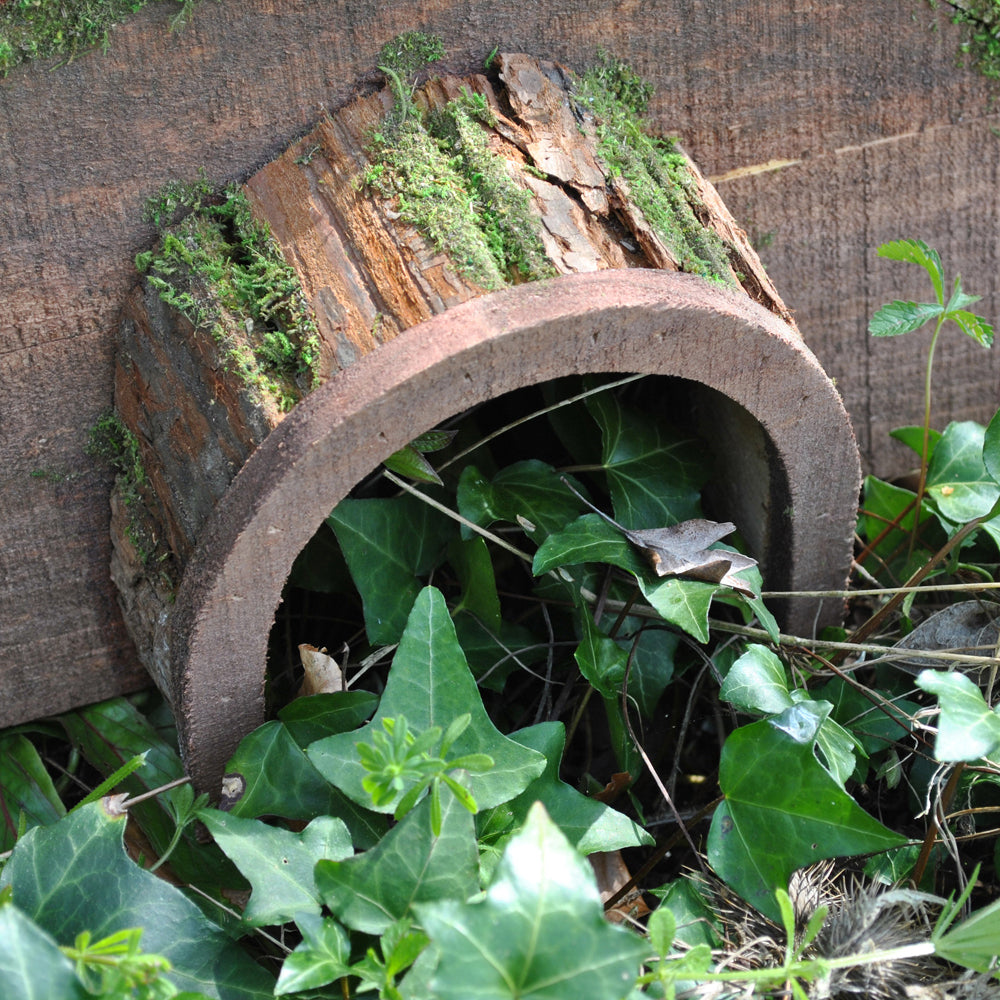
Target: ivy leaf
[(530, 491), (600, 659), (26, 790), (75, 876), (31, 965), (278, 863), (684, 603), (318, 715), (271, 775), (958, 484), (410, 463), (409, 865), (782, 810), (654, 475), (321, 957), (430, 685), (587, 824), (471, 560), (913, 438), (389, 544), (898, 318), (967, 728), (554, 944), (917, 252), (991, 448), (756, 682), (587, 539)]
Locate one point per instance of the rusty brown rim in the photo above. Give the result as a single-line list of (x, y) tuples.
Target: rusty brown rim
[(655, 322)]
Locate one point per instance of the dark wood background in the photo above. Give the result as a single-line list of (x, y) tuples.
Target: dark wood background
[(828, 128)]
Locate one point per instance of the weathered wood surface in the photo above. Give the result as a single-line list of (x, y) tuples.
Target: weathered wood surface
[(885, 136), (369, 275)]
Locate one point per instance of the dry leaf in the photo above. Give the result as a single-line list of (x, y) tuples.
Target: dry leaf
[(323, 674), (611, 876), (683, 549)]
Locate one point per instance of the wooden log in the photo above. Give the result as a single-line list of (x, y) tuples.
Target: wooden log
[(369, 273)]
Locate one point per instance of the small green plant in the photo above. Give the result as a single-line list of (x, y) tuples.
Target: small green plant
[(39, 29), (403, 764), (218, 265), (116, 966), (112, 442), (981, 19), (899, 318)]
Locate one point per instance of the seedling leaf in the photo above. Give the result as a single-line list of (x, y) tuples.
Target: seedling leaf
[(917, 252), (897, 318)]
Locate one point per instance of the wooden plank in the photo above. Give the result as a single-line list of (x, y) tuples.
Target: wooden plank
[(742, 83)]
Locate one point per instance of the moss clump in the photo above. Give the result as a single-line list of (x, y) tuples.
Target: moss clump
[(221, 269), (112, 442), (37, 29), (446, 180), (982, 20), (658, 177)]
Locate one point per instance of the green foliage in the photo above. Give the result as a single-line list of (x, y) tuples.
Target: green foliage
[(219, 266), (112, 442), (553, 942), (657, 175), (955, 458), (981, 19), (38, 29)]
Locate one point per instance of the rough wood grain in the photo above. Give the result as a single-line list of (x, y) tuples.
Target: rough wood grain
[(368, 275), (887, 137)]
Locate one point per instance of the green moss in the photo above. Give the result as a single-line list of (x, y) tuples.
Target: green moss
[(447, 182), (112, 442), (981, 19), (219, 266), (38, 29), (658, 177)]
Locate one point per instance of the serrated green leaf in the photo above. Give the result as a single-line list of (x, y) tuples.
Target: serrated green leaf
[(322, 956), (782, 810), (311, 718), (959, 299), (430, 685), (917, 252), (967, 729), (975, 326), (272, 776), (654, 474), (587, 824), (75, 876), (26, 789), (410, 463), (389, 544), (278, 863), (756, 682), (409, 865), (553, 944), (31, 965), (898, 318)]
